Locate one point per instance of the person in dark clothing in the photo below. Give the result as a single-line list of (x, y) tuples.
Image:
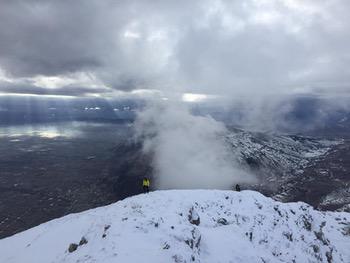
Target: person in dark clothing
[(145, 184), (238, 188)]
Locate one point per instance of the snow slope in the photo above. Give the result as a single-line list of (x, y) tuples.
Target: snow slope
[(188, 226), (278, 154)]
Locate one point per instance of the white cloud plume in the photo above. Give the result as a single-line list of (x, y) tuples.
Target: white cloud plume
[(189, 151)]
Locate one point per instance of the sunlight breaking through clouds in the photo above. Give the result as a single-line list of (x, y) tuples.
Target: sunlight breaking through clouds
[(190, 97)]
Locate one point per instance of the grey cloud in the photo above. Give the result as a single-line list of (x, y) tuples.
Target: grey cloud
[(47, 37), (213, 47)]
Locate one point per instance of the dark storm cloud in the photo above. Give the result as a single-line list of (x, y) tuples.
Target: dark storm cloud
[(224, 47), (47, 37)]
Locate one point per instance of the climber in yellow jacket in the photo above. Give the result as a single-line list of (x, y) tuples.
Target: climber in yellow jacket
[(145, 184)]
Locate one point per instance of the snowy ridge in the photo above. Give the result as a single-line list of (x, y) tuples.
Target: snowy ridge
[(188, 226)]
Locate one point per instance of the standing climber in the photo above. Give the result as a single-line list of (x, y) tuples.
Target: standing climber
[(145, 184), (238, 188)]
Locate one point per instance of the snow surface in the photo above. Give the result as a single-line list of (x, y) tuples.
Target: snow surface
[(232, 227)]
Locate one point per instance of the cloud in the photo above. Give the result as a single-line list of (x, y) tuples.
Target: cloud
[(242, 51), (189, 151), (69, 90), (46, 37), (212, 47)]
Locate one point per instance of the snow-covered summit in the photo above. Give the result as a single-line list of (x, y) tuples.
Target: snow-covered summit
[(187, 226)]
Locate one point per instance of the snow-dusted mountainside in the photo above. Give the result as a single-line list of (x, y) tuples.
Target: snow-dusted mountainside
[(276, 155), (188, 226), (339, 196), (295, 168), (276, 160)]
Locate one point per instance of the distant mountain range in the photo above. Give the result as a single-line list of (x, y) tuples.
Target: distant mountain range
[(27, 110), (307, 115)]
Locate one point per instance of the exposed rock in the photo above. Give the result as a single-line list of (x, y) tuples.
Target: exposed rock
[(195, 239), (178, 259), (346, 230), (193, 217), (83, 241), (289, 236), (166, 246), (320, 235), (222, 221), (315, 248), (329, 256), (72, 247)]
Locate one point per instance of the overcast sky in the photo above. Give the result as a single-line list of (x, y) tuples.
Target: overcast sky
[(91, 47)]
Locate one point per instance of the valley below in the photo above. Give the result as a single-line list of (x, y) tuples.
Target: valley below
[(48, 171)]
